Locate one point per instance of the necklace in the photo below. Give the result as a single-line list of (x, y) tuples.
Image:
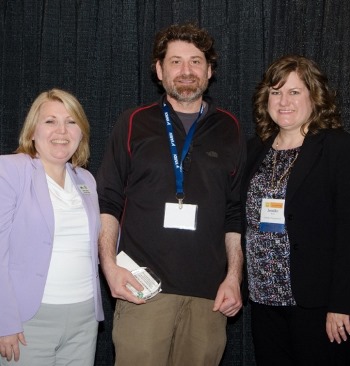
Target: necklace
[(297, 143), (275, 186)]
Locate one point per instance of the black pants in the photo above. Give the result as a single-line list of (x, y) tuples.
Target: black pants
[(294, 336)]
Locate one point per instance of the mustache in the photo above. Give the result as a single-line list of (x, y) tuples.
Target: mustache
[(190, 77)]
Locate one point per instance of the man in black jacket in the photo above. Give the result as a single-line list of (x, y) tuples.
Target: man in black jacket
[(169, 189)]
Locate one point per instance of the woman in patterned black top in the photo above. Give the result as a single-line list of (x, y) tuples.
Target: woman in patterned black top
[(297, 213)]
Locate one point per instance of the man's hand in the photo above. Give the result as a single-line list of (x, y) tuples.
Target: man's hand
[(228, 298), (118, 278)]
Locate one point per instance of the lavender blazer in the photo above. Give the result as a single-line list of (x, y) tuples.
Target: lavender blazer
[(26, 237)]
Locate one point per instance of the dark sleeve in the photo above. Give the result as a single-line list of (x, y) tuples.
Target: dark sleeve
[(233, 210), (340, 287), (113, 173)]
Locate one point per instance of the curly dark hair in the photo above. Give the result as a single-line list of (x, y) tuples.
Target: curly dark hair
[(325, 113), (188, 32)]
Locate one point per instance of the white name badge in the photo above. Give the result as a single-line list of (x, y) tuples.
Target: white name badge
[(84, 189), (180, 217), (272, 215)]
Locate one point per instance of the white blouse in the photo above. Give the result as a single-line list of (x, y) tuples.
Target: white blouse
[(69, 278)]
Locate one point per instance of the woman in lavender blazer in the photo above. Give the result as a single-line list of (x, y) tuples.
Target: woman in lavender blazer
[(49, 225)]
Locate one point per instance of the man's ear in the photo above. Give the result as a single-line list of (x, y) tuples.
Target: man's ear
[(159, 70), (210, 73)]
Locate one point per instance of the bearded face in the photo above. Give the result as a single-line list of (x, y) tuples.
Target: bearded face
[(185, 88), (184, 72)]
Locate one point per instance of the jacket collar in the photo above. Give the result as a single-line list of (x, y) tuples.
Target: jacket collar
[(308, 156), (42, 194)]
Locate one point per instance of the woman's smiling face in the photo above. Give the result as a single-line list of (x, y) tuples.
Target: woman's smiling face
[(290, 105), (56, 134)]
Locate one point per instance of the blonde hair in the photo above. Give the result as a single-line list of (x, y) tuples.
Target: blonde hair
[(74, 108)]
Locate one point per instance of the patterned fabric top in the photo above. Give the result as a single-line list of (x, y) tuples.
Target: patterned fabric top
[(268, 252)]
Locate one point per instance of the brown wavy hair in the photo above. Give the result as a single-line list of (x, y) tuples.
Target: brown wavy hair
[(188, 32), (27, 145), (324, 113)]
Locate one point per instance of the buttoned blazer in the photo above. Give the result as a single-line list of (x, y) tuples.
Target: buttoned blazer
[(317, 217), (26, 237)]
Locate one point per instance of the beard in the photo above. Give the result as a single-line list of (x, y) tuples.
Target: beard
[(186, 93)]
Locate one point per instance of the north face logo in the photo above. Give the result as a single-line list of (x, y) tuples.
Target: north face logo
[(213, 154)]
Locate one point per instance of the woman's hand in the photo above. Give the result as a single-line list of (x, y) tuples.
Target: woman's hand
[(9, 346), (338, 327)]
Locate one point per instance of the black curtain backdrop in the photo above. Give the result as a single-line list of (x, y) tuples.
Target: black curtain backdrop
[(101, 52)]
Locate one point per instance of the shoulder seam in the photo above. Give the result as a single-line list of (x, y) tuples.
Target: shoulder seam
[(230, 115), (131, 118)]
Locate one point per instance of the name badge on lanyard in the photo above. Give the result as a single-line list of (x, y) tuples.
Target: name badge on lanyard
[(272, 215), (180, 218), (179, 215)]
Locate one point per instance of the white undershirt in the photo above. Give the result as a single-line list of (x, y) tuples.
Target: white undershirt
[(69, 278)]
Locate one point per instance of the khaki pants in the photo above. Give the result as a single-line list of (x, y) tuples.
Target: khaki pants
[(169, 330)]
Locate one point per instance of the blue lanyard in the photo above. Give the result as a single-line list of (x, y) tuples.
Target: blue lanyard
[(179, 177)]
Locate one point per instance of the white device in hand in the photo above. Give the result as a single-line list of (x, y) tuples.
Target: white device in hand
[(150, 282)]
